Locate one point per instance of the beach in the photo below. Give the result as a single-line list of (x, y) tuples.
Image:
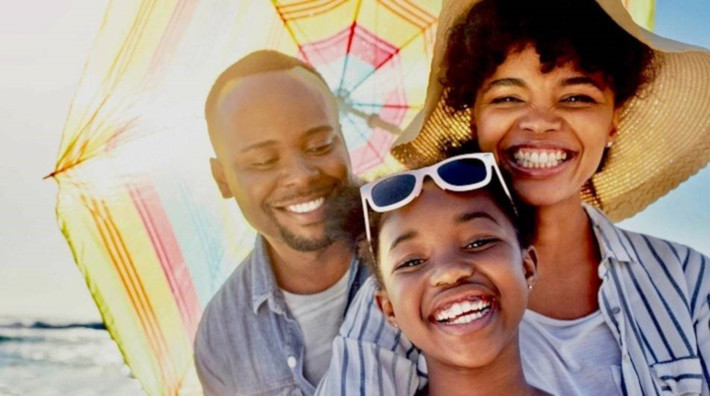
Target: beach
[(59, 357)]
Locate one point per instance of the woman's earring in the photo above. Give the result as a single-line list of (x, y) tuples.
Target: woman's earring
[(609, 144), (530, 285)]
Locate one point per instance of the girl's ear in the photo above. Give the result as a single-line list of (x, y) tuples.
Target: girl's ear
[(530, 266), (385, 305)]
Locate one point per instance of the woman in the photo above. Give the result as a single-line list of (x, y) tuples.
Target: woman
[(457, 283), (613, 312)]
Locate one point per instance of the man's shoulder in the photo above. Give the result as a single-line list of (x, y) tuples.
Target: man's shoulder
[(232, 300)]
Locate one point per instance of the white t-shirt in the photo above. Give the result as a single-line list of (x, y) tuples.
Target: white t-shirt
[(320, 316), (570, 357)]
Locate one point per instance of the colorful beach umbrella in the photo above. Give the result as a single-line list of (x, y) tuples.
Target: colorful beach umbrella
[(136, 202)]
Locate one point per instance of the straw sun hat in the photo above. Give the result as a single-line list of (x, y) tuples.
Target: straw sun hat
[(663, 135)]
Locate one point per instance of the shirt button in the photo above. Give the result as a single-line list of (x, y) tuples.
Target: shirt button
[(616, 310), (291, 361)]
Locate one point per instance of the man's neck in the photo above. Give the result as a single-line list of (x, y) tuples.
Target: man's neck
[(308, 272)]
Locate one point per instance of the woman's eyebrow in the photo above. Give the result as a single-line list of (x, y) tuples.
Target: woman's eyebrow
[(404, 237), (581, 80), (504, 82)]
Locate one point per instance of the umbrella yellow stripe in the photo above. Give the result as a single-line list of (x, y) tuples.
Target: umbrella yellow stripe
[(409, 12), (295, 15), (135, 292), (113, 300)]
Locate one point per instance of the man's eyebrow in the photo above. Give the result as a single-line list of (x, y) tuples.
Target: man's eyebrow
[(581, 80), (265, 143), (402, 238), (504, 82), (317, 129), (475, 215)]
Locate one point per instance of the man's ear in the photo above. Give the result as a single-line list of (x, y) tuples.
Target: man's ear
[(219, 178), (385, 305), (530, 266)]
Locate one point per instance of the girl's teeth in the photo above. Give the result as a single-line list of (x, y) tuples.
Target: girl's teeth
[(306, 206), (470, 310)]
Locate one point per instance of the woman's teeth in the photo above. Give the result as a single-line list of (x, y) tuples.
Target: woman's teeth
[(463, 312), (536, 159), (306, 206)]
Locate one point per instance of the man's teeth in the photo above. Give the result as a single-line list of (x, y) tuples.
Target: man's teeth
[(463, 312), (306, 206), (535, 159)]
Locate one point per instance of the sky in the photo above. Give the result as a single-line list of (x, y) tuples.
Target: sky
[(44, 45)]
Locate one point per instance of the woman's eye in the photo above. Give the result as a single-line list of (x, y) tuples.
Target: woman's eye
[(506, 99), (579, 99)]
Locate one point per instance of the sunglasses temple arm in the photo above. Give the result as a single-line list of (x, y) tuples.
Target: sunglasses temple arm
[(503, 184)]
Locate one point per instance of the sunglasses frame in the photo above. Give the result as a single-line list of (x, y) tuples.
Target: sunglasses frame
[(432, 171)]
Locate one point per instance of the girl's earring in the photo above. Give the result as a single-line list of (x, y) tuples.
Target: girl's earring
[(609, 144)]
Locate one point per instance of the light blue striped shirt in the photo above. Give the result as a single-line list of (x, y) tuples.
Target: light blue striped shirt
[(655, 298)]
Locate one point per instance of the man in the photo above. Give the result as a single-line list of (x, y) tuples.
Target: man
[(280, 153)]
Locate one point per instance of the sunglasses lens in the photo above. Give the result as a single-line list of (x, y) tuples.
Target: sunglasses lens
[(463, 172), (392, 190)]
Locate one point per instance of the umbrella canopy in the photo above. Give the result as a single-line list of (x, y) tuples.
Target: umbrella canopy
[(136, 202)]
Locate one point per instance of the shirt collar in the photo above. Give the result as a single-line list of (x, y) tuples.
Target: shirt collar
[(263, 282), (614, 246)]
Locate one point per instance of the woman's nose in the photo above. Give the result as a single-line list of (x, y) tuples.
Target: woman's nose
[(540, 120)]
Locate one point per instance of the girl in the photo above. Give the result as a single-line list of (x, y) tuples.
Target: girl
[(452, 273)]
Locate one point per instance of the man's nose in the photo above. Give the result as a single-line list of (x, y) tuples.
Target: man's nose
[(451, 270), (299, 171), (540, 120)]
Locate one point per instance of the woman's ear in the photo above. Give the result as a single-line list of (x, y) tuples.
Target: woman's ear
[(530, 266), (219, 178), (614, 128), (472, 128), (385, 305)]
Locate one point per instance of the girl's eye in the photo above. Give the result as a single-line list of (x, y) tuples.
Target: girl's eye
[(480, 243), (410, 263), (579, 99), (506, 99)]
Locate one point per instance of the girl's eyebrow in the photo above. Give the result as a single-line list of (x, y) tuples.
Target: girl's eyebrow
[(468, 216), (404, 237)]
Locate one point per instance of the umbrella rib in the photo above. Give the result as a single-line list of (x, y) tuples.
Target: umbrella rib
[(350, 43), (388, 58), (367, 141)]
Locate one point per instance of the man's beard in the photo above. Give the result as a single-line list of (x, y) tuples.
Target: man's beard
[(343, 221)]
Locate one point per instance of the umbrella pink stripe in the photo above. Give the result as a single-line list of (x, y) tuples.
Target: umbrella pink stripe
[(322, 9), (179, 20), (117, 254), (167, 249)]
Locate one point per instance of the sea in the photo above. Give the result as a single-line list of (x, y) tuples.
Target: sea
[(59, 357)]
